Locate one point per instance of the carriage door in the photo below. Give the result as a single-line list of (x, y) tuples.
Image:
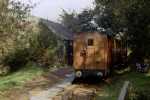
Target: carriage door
[(90, 54), (69, 52)]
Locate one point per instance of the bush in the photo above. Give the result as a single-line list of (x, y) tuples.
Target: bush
[(4, 70), (45, 57), (138, 94), (17, 59)]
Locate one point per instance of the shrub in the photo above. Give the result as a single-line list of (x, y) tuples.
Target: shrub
[(138, 94), (17, 59), (4, 70)]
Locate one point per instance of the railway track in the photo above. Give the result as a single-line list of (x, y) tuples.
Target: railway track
[(76, 92), (80, 91)]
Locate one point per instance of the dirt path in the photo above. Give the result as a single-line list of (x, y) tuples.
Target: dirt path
[(49, 93), (43, 87)]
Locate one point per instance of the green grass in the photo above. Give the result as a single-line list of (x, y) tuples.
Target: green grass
[(139, 82), (19, 78)]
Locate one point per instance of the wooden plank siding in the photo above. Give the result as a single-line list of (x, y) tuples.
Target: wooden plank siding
[(97, 56)]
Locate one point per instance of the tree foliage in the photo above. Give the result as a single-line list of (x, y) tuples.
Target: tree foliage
[(24, 38), (89, 20), (13, 16), (70, 21), (13, 22), (81, 22), (134, 15)]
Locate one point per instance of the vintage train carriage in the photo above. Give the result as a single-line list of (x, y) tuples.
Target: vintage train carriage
[(94, 54)]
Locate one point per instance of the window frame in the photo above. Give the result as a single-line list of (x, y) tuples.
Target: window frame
[(90, 42)]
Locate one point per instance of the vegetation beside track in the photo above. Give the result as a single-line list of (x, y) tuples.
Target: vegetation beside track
[(19, 78), (139, 86)]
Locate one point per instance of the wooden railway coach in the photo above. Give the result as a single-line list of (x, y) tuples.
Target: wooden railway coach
[(96, 53)]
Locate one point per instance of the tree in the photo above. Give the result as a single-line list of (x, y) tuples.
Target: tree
[(134, 16), (89, 20), (13, 23), (13, 17), (81, 22), (70, 20)]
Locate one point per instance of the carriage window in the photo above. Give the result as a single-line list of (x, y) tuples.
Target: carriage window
[(90, 42)]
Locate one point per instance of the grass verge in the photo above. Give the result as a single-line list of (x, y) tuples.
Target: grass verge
[(19, 78), (139, 81)]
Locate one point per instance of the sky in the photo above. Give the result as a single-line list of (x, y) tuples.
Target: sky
[(51, 9)]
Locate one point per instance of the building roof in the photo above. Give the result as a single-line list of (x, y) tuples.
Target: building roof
[(58, 29)]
